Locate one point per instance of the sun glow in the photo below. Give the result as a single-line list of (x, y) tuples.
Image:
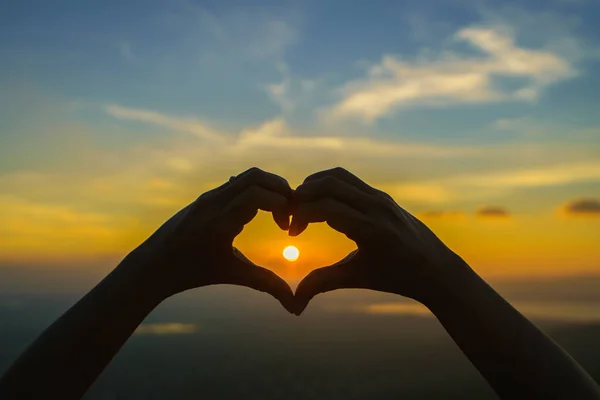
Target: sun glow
[(291, 253)]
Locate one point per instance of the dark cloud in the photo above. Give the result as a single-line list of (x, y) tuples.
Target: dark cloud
[(492, 211), (583, 207)]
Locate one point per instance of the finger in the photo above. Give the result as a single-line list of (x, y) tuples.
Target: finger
[(331, 186), (246, 273), (251, 177), (338, 215), (343, 175), (342, 275), (244, 207)]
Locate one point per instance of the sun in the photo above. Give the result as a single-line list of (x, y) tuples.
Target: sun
[(291, 253)]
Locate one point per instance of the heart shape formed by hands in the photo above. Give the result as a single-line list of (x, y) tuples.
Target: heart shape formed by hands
[(395, 250), (395, 253)]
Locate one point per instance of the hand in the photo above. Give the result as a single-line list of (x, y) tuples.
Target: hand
[(396, 252), (194, 248)]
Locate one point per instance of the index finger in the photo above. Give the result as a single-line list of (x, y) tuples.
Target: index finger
[(250, 177), (345, 176), (244, 207)]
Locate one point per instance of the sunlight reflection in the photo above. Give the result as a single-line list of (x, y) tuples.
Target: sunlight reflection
[(548, 310), (169, 328)]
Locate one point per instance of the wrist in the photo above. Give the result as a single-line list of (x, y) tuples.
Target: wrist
[(142, 278), (449, 283)]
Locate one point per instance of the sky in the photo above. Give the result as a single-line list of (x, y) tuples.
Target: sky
[(482, 118)]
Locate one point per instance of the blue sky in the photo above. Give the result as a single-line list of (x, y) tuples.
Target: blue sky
[(216, 59), (112, 111)]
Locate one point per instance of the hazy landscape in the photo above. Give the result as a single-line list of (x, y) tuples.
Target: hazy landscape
[(227, 342)]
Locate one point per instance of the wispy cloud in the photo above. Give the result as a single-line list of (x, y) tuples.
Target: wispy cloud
[(182, 124), (280, 92), (291, 91), (494, 182), (452, 78), (277, 134), (558, 174)]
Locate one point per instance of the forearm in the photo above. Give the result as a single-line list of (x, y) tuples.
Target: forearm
[(515, 357), (70, 354)]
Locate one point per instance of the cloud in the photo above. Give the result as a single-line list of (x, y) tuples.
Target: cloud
[(583, 207), (451, 78), (291, 91), (169, 328), (553, 175), (492, 212), (280, 92), (275, 140), (180, 164), (275, 134), (182, 124), (494, 183), (524, 126)]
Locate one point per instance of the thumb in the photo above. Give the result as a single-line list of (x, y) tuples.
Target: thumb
[(245, 273), (341, 275)]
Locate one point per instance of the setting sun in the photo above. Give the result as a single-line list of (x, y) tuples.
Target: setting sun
[(291, 253)]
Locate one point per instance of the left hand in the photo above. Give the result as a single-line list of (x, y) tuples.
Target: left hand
[(194, 248)]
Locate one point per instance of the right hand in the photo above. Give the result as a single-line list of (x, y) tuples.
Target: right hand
[(396, 252)]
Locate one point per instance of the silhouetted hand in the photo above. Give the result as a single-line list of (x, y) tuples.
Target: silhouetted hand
[(194, 248), (396, 252)]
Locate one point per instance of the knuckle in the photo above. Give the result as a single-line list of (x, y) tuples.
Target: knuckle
[(339, 170), (283, 180), (384, 199), (312, 177), (254, 172), (383, 195)]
